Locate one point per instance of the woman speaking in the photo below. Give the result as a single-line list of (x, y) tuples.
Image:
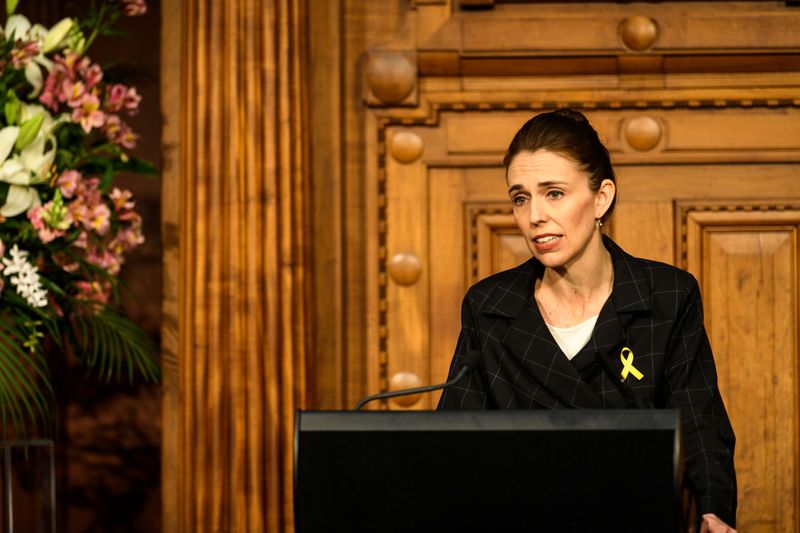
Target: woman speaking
[(546, 328)]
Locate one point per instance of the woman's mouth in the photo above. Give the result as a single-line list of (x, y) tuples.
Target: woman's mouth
[(545, 243)]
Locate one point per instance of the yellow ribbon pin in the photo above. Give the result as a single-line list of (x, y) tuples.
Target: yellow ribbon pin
[(627, 364)]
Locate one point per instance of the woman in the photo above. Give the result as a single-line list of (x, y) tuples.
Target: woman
[(543, 327)]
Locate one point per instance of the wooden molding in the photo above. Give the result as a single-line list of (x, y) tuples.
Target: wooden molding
[(391, 78), (689, 216), (547, 39), (482, 219)]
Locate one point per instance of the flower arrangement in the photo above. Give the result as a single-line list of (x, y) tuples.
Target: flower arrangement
[(65, 229)]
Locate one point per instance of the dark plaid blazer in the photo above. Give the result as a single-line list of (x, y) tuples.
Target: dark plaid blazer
[(654, 310)]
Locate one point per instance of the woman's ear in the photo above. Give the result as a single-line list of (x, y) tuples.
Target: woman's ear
[(603, 198)]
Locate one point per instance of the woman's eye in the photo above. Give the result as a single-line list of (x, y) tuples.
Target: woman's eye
[(553, 195), (519, 200)]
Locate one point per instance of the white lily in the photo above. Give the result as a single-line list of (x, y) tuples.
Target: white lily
[(49, 40), (31, 165), (17, 26), (19, 200)]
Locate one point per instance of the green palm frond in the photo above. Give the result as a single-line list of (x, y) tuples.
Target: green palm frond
[(112, 345), (48, 320), (24, 381)]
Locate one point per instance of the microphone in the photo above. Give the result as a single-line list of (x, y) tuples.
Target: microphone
[(469, 364), (624, 388)]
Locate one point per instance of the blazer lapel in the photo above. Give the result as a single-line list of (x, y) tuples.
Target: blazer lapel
[(631, 295), (534, 349), (531, 342)]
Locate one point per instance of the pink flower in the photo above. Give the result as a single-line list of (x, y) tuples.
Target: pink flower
[(119, 97), (68, 182), (120, 133), (73, 92), (51, 91), (82, 241), (115, 98), (51, 220), (93, 291), (47, 233), (80, 213), (93, 75), (135, 7), (132, 99), (126, 240), (99, 219), (65, 262), (104, 259), (70, 80), (88, 114), (87, 196), (122, 200), (23, 52), (68, 64), (87, 189), (131, 217)]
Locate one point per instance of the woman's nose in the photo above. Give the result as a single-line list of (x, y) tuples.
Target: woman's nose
[(537, 214)]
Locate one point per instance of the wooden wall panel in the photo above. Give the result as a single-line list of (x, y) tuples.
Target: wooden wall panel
[(747, 264), (448, 271), (407, 274), (236, 171), (702, 114)]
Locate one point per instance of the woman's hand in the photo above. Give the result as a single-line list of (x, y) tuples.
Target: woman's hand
[(712, 524)]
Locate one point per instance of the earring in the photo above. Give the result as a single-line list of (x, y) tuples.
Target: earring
[(599, 223)]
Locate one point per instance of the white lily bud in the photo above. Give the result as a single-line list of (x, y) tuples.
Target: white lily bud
[(53, 39), (28, 130), (11, 6)]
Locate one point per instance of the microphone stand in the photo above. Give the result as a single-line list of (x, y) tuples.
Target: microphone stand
[(470, 363)]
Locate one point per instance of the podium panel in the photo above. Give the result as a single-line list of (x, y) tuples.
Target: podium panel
[(509, 471)]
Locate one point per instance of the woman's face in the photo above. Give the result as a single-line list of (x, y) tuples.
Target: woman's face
[(554, 207)]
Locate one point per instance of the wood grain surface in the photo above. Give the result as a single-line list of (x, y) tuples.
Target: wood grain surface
[(237, 183)]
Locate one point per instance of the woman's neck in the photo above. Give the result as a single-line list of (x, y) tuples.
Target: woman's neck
[(585, 278)]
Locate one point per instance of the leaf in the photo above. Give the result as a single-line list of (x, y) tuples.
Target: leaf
[(138, 166), (65, 157), (108, 176), (48, 319), (22, 378), (11, 109), (112, 345)]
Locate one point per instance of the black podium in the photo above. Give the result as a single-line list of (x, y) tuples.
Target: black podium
[(489, 471)]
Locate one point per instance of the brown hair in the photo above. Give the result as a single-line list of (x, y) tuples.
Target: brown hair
[(568, 133)]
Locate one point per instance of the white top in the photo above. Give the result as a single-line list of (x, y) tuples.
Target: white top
[(572, 340)]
